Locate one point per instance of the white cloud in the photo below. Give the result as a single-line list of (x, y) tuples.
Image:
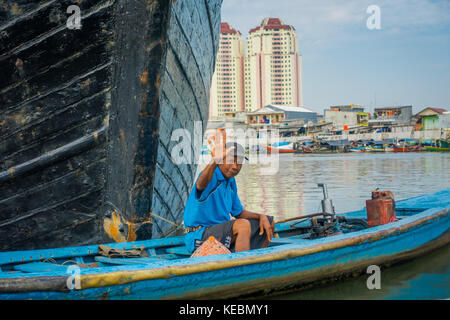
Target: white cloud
[(339, 52), (330, 18), (415, 13)]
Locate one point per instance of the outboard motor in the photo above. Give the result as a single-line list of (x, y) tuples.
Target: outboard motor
[(327, 203), (329, 224)]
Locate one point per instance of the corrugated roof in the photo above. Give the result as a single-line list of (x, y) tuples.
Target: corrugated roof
[(290, 108), (265, 110), (438, 110)]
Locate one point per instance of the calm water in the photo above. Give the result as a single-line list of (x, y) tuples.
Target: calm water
[(350, 178), (424, 278)]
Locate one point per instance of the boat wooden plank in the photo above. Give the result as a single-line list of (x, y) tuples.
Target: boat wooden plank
[(168, 256), (151, 252), (51, 194), (184, 54), (53, 78), (174, 175), (119, 261), (91, 250), (182, 251), (40, 267), (46, 53), (56, 131), (34, 179), (54, 99), (422, 202), (286, 240), (37, 19)]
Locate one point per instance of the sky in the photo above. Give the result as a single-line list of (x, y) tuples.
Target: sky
[(404, 62)]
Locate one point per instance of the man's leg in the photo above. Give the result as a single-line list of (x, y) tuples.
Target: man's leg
[(241, 235), (223, 232), (256, 240)]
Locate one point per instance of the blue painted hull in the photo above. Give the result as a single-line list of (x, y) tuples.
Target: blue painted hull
[(289, 262)]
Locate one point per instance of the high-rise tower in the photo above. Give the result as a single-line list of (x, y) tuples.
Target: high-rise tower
[(227, 88), (273, 66)]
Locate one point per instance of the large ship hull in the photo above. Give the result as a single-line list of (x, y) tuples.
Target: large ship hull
[(87, 115)]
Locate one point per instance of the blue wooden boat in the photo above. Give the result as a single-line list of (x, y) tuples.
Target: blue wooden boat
[(358, 149), (374, 148), (438, 145), (296, 258), (281, 147)]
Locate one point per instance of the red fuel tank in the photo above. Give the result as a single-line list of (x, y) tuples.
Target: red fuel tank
[(381, 209)]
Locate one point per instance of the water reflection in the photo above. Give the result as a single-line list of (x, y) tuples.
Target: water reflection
[(426, 277), (350, 179)]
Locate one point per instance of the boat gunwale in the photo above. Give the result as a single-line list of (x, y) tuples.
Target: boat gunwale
[(282, 252), (134, 273)]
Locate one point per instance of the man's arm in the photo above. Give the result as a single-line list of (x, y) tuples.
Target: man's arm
[(206, 176), (264, 224), (248, 215)]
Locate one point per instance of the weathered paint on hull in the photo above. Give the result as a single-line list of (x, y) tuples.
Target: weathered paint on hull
[(294, 264), (87, 117)]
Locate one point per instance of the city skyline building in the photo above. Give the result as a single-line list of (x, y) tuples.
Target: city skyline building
[(268, 71), (273, 66), (227, 87)]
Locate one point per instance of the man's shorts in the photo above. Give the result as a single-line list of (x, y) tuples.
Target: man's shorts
[(223, 232)]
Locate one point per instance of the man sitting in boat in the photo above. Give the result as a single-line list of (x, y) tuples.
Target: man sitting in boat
[(214, 200)]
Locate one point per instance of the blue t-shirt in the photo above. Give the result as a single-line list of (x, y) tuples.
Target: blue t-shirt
[(213, 206)]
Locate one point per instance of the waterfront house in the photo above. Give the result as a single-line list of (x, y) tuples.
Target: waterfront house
[(432, 119), (346, 116), (274, 114), (388, 116), (264, 116), (349, 107)]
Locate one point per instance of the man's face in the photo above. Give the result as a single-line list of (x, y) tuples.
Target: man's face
[(231, 167)]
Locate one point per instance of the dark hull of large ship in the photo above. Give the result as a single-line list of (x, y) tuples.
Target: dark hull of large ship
[(86, 117)]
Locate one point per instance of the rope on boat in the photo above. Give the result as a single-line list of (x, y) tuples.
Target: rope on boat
[(166, 220), (151, 213)]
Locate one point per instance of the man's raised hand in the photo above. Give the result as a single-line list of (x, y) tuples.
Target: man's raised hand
[(217, 145)]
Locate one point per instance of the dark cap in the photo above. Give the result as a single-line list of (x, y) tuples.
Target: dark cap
[(238, 150)]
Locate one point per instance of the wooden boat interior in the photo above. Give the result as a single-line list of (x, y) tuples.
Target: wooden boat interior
[(162, 252)]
